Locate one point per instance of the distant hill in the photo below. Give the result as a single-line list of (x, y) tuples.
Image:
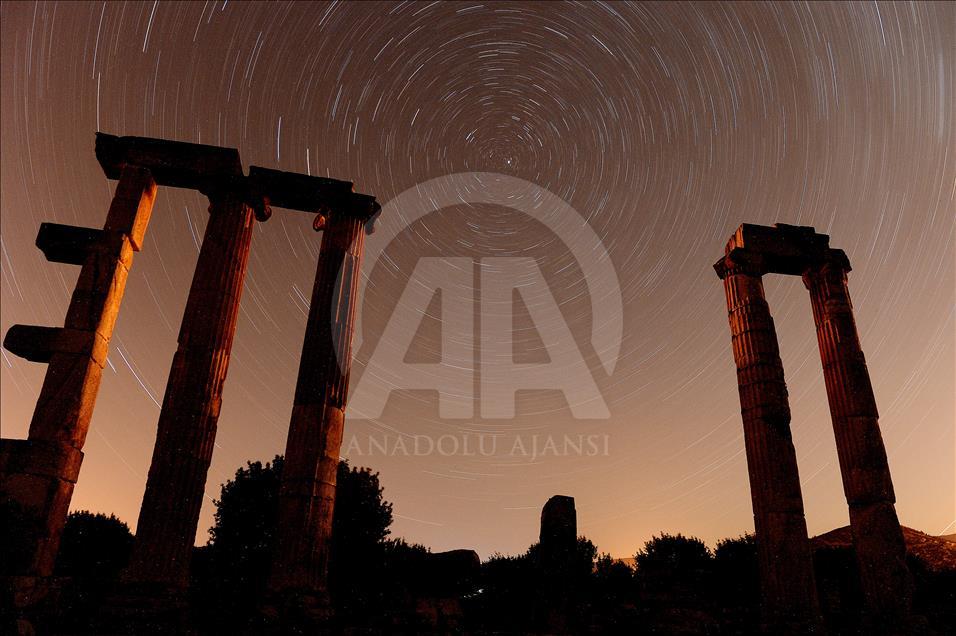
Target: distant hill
[(938, 554)]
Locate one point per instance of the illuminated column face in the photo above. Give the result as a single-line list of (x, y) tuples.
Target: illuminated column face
[(877, 536), (786, 569), (37, 475), (187, 422), (307, 492)]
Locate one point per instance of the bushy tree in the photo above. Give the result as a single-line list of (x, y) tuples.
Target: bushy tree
[(93, 545), (527, 593), (674, 575), (735, 568), (671, 566), (94, 549), (231, 571), (736, 583), (673, 553)]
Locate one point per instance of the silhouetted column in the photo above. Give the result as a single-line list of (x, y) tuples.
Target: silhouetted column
[(37, 475), (877, 536), (783, 550), (187, 422), (307, 491)]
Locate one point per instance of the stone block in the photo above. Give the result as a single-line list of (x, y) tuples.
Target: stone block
[(132, 205)]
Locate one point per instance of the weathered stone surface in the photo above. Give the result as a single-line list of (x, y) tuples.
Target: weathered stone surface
[(38, 344), (37, 475), (559, 527), (787, 584), (187, 423), (307, 490), (36, 483), (67, 243), (172, 163), (786, 576), (877, 536), (132, 204)]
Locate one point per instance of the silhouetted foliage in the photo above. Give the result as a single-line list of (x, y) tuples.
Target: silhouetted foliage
[(230, 573), (737, 582), (384, 585), (526, 593), (16, 526), (670, 553), (674, 576), (94, 549), (93, 545)]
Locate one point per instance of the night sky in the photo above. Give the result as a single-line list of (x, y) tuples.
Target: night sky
[(663, 126)]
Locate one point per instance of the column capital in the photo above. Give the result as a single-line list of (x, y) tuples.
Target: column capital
[(833, 264), (740, 261), (236, 191)]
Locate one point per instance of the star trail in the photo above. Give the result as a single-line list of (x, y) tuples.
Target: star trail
[(662, 125)]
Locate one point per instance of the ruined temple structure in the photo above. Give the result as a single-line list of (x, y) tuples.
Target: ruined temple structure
[(786, 570), (37, 475)]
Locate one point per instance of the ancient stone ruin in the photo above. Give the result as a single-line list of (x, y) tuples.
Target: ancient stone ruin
[(786, 570), (559, 531), (37, 475)]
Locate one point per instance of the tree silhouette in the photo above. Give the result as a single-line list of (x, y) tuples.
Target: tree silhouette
[(674, 576), (94, 549), (737, 584), (231, 571), (93, 545)]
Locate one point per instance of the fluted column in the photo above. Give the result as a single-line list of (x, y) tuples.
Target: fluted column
[(307, 491), (37, 475), (783, 549), (877, 537), (187, 422)]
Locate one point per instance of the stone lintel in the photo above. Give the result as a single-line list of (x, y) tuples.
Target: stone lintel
[(310, 194), (67, 243), (781, 249), (172, 163)]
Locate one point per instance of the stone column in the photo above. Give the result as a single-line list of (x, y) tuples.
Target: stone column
[(558, 536), (307, 491), (783, 549), (187, 422), (877, 537), (37, 475)]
